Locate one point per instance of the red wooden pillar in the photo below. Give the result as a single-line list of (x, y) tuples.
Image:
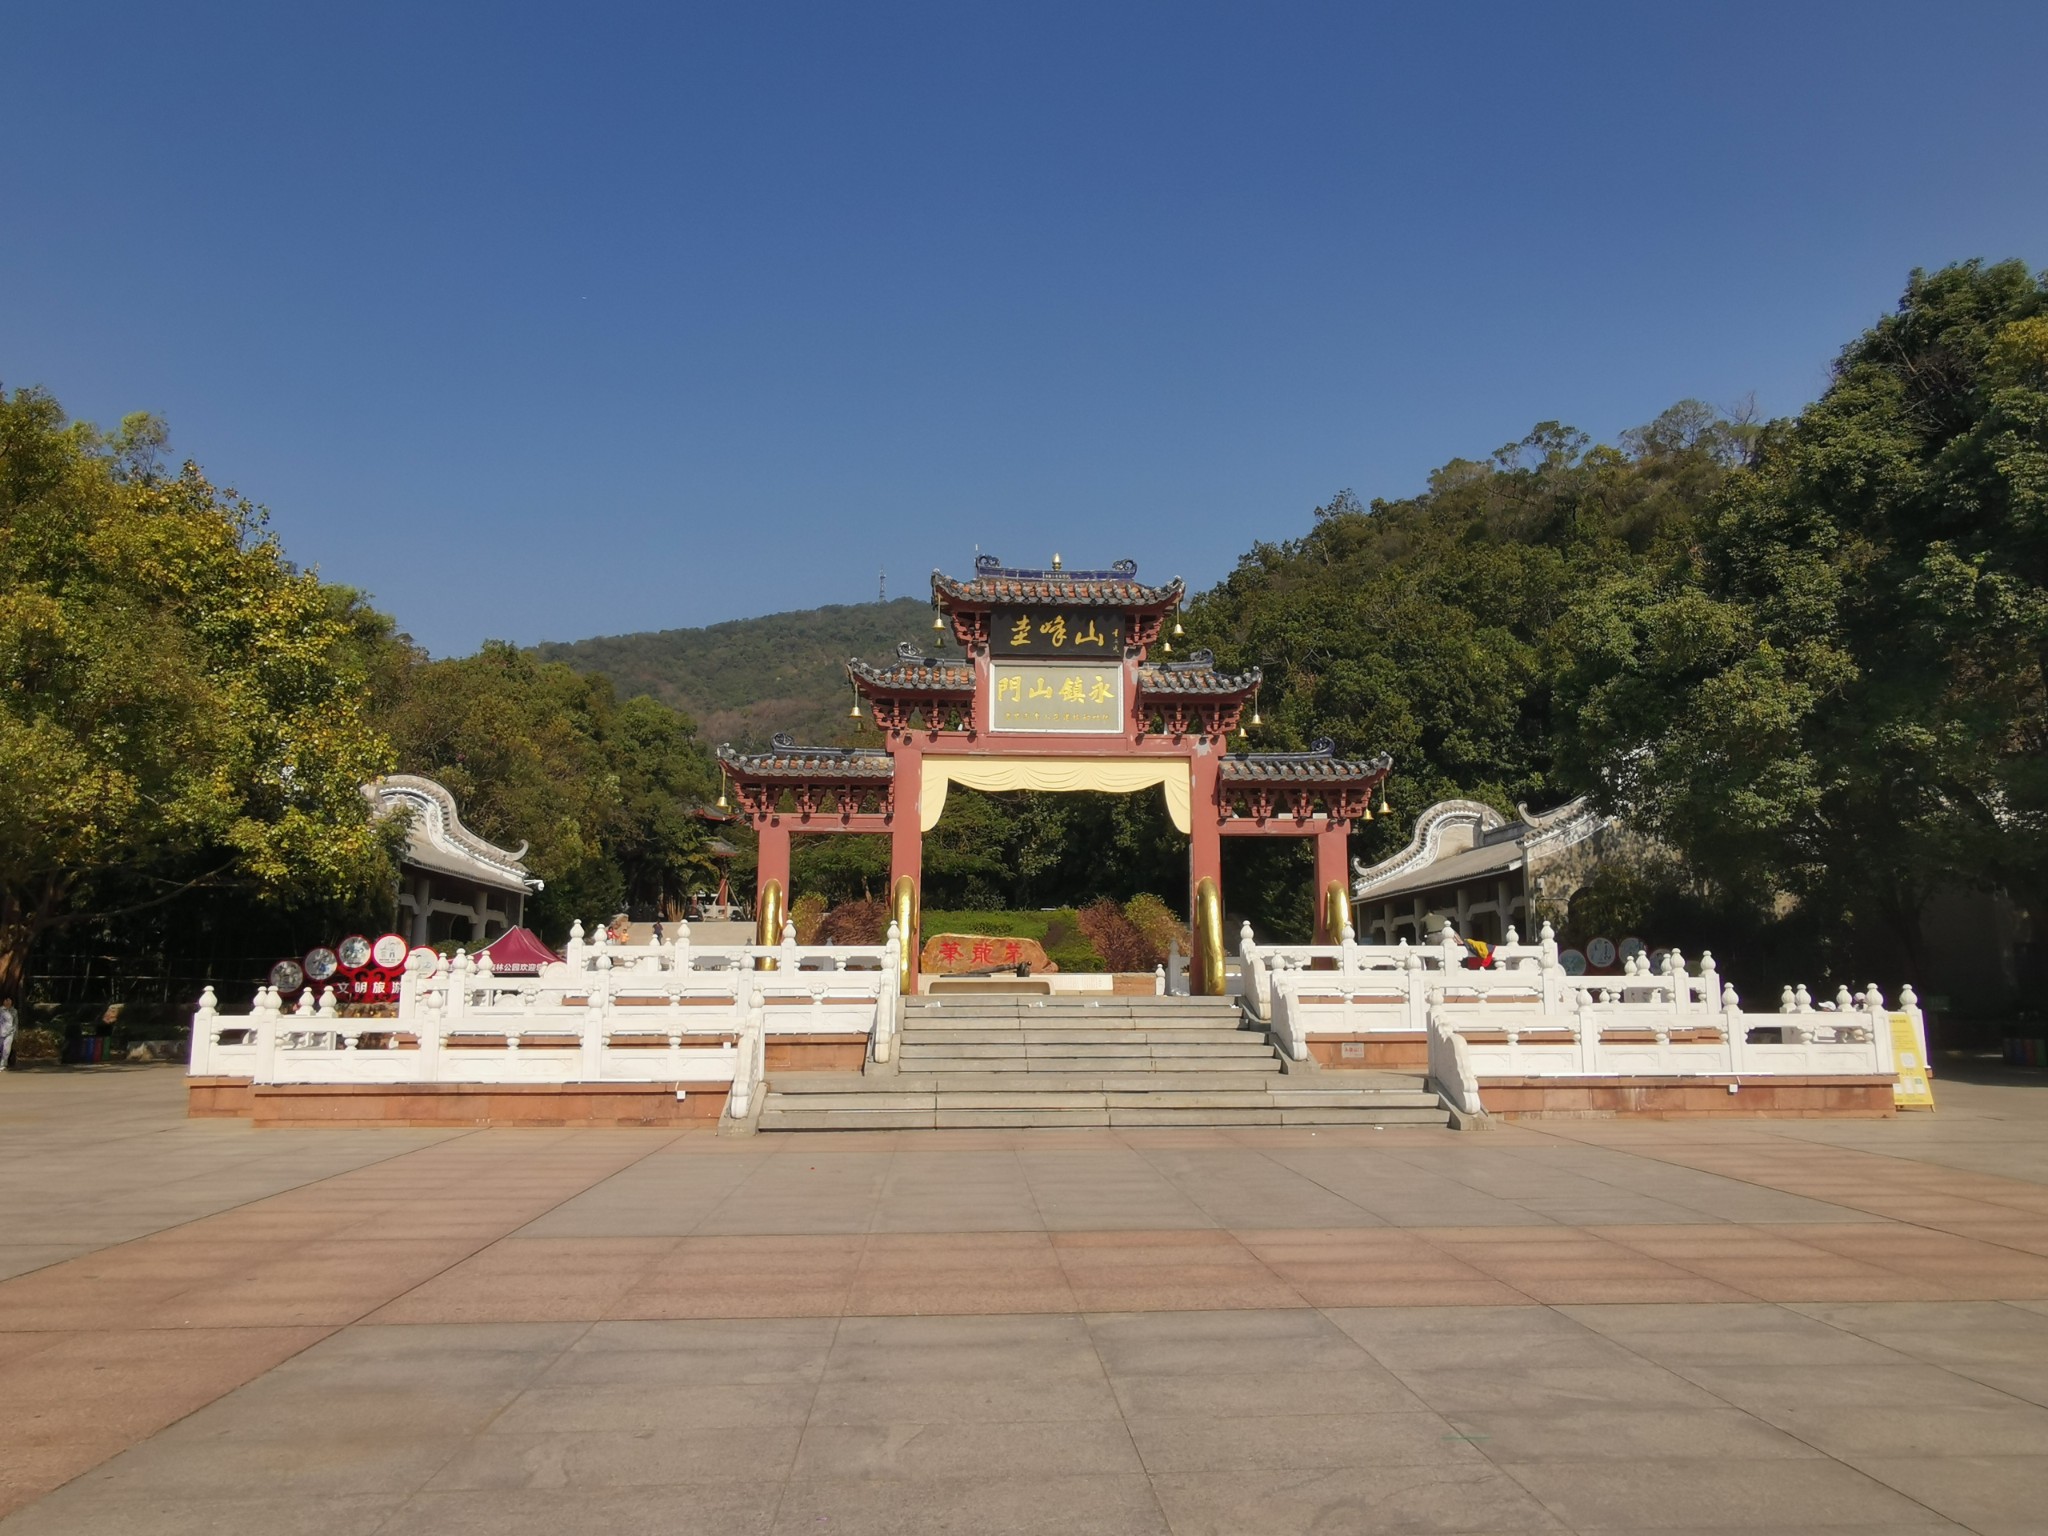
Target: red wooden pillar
[(1205, 843), (774, 865), (906, 835), (1333, 862)]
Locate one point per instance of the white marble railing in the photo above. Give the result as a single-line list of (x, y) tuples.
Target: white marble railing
[(605, 1014), (1610, 1040), (1528, 1016)]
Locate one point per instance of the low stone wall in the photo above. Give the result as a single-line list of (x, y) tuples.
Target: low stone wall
[(1675, 1098), (362, 1105), (217, 1098), (1405, 1052), (815, 1053)]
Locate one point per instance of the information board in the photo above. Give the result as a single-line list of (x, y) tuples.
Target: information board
[(1915, 1089)]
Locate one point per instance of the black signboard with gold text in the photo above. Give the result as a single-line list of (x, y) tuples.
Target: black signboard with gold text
[(1086, 633)]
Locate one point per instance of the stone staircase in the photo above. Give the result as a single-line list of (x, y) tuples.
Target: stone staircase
[(1014, 1061)]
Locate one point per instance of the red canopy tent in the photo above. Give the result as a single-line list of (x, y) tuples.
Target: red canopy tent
[(516, 952)]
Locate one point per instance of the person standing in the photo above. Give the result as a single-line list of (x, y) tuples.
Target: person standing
[(8, 1022)]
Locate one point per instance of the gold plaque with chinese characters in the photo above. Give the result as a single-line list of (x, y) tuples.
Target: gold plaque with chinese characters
[(1057, 697), (1062, 632)]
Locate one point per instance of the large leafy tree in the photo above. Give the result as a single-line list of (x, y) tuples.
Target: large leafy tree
[(536, 752), (180, 708), (1833, 698), (1421, 627)]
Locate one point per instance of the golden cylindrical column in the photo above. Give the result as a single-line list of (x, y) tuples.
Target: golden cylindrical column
[(768, 922), (1336, 911), (903, 909), (1208, 966)]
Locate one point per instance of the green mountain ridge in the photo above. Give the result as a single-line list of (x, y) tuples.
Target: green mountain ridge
[(745, 679)]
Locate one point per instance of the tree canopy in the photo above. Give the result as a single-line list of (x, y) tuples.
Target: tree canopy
[(182, 708), (1833, 694)]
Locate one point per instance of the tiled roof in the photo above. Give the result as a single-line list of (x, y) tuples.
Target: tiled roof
[(914, 672), (786, 760), (1117, 587), (1198, 674), (1321, 766)]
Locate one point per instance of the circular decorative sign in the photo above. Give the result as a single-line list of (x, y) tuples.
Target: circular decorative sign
[(1600, 952), (320, 963), (354, 953), (287, 976), (1657, 961), (422, 950), (1630, 948), (1573, 961), (389, 951)]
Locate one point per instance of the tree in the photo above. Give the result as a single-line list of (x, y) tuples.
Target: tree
[(1835, 696), (182, 708), (537, 753), (1422, 627)]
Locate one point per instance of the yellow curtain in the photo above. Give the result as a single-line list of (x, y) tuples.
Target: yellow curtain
[(1107, 775)]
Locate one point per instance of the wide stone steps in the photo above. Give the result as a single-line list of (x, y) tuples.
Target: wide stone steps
[(1140, 1061)]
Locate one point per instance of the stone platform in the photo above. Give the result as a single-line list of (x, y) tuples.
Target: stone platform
[(1597, 1326)]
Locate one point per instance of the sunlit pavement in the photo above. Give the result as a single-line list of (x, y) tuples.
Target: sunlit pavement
[(1590, 1325)]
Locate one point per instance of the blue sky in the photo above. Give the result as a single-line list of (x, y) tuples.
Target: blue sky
[(549, 321)]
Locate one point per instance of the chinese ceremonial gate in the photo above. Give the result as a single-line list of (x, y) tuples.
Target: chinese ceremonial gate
[(1054, 689)]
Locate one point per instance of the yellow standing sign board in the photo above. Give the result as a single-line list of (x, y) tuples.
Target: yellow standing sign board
[(1915, 1089)]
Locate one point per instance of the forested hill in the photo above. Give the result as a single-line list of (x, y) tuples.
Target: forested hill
[(744, 680)]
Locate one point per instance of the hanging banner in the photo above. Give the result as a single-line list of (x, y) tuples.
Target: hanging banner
[(1065, 775), (1058, 697), (1915, 1088)]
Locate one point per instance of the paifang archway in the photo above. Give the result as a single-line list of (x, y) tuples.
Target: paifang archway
[(1053, 687)]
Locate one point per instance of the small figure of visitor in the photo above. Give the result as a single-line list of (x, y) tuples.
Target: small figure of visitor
[(8, 1022)]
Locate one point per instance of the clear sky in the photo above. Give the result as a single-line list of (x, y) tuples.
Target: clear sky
[(542, 321)]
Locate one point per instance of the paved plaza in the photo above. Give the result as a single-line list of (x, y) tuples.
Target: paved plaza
[(1590, 1325)]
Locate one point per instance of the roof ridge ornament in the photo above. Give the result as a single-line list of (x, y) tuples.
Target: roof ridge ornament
[(990, 567)]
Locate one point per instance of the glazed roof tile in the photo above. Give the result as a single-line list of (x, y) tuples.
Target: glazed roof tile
[(786, 760), (1117, 587), (1318, 766), (914, 672), (1198, 674)]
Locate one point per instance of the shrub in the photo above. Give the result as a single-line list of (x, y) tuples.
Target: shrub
[(1117, 939), (864, 920), (1155, 920), (809, 916)]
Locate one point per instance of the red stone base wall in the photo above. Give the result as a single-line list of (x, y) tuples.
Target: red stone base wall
[(1674, 1098), (1392, 1053), (216, 1098), (815, 1053), (467, 1104)]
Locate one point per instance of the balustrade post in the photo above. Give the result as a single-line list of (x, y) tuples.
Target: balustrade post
[(573, 951), (205, 1026), (1876, 1019), (596, 1017), (679, 952), (1550, 969), (263, 1016), (427, 1021), (788, 954)]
